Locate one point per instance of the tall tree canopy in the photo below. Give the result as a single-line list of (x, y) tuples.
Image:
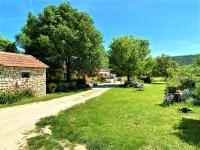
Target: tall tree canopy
[(164, 66), (61, 34), (127, 54), (7, 45)]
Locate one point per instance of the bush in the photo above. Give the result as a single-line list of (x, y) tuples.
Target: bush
[(80, 82), (168, 99), (186, 94), (9, 98), (146, 79), (173, 82), (197, 94), (187, 84), (62, 87), (51, 87), (102, 79), (128, 84)]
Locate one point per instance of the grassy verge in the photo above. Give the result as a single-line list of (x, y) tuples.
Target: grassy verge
[(42, 98), (123, 119)]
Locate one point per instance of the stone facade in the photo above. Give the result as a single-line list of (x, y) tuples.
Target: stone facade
[(19, 78)]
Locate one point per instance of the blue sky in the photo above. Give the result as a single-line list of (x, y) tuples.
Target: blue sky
[(171, 26)]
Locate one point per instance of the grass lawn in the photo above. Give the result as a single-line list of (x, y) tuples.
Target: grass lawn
[(42, 98), (123, 119)]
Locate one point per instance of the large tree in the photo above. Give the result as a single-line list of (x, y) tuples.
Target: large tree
[(127, 55), (63, 34), (7, 46), (165, 66)]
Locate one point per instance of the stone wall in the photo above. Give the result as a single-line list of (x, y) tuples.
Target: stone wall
[(11, 79)]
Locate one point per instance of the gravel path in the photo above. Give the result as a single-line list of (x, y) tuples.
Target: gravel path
[(17, 120)]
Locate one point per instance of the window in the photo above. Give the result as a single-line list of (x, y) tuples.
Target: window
[(25, 74)]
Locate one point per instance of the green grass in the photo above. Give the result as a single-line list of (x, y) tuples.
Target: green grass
[(124, 119), (42, 98)]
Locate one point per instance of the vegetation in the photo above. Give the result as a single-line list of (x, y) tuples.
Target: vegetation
[(120, 119), (9, 97), (7, 46), (63, 34), (127, 54), (42, 98), (184, 60), (164, 66)]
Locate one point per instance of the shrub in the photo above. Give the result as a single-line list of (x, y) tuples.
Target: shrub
[(187, 84), (9, 98), (62, 87), (28, 93), (197, 94), (146, 79), (80, 82), (103, 79), (128, 84), (186, 94), (72, 85), (173, 82), (51, 87), (168, 99)]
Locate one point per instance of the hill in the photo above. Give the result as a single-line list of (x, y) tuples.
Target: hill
[(185, 59)]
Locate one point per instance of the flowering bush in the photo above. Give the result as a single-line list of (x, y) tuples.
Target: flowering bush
[(168, 99)]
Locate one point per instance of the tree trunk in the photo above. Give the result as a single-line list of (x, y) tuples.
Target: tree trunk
[(68, 65), (128, 77)]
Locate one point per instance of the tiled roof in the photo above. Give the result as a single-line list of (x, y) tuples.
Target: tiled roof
[(20, 60)]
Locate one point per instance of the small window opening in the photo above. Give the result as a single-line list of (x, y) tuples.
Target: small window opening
[(25, 74)]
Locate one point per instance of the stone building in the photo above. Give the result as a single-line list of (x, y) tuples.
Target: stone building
[(19, 72)]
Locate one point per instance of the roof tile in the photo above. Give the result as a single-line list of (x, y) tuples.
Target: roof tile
[(20, 60)]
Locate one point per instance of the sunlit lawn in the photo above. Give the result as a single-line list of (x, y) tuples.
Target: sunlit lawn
[(123, 119)]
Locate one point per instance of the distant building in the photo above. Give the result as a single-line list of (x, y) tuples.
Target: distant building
[(104, 72)]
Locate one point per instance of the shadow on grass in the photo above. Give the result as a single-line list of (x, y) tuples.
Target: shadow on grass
[(189, 131), (157, 82)]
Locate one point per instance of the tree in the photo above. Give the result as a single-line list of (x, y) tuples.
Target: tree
[(7, 46), (63, 34), (165, 66), (196, 65), (146, 69), (127, 54)]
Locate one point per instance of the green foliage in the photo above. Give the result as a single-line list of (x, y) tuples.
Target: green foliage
[(72, 85), (173, 82), (128, 84), (188, 84), (103, 79), (186, 94), (127, 54), (146, 69), (51, 88), (197, 91), (7, 46), (146, 79), (196, 64), (184, 60), (9, 98), (59, 74), (62, 87), (63, 34), (164, 66)]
